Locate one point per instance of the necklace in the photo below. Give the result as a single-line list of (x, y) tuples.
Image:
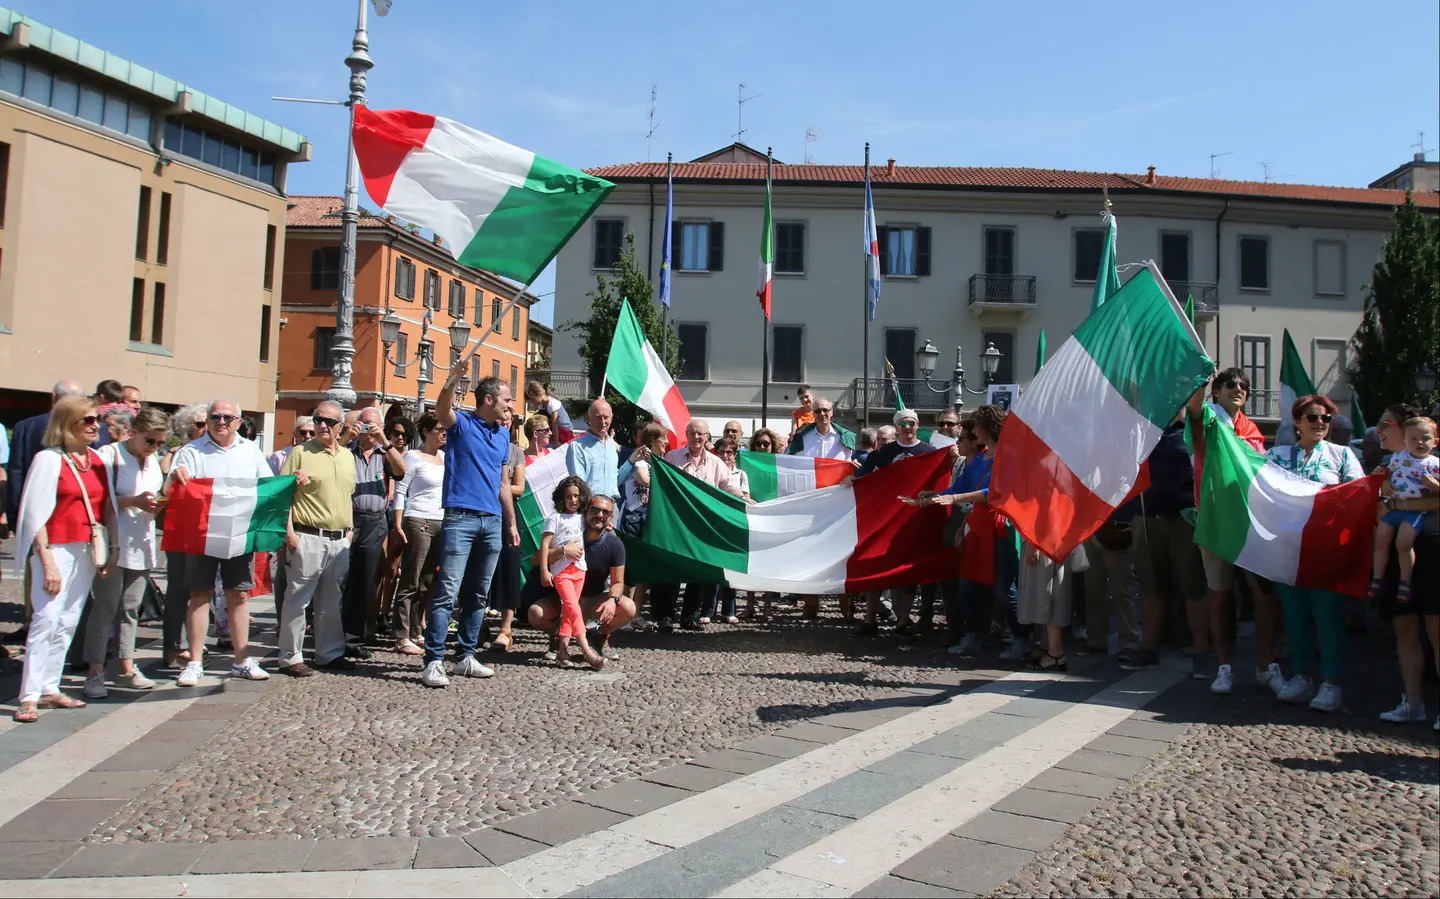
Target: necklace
[(76, 461)]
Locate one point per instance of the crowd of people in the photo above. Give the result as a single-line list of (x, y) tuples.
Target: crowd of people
[(406, 536)]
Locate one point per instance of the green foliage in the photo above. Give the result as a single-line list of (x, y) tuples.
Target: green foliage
[(626, 281), (1400, 330)]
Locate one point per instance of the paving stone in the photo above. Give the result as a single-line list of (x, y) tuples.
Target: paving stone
[(564, 822), (1164, 731), (11, 759), (1107, 763), (968, 865), (959, 746), (194, 732), (210, 711), (1015, 831), (147, 755), (856, 794), (778, 746), (30, 861), (864, 719), (1144, 749), (1078, 783), (253, 857), (501, 848), (999, 728), (1051, 806), (1034, 707), (634, 797), (448, 852), (811, 732), (736, 760), (59, 819), (695, 778), (245, 685), (132, 860), (892, 887), (371, 854), (919, 766), (107, 785)]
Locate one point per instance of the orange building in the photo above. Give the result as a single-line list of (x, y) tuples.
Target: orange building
[(396, 271)]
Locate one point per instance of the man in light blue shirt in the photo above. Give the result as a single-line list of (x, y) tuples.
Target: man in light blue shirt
[(595, 456)]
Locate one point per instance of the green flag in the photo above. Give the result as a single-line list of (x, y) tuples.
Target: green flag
[(1294, 383), (1357, 418), (1190, 308), (894, 385), (1040, 352), (1107, 278)]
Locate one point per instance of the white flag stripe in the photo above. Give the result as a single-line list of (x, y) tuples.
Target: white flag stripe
[(232, 506), (1277, 500), (813, 546)]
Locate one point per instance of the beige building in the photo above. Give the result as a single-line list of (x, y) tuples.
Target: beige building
[(142, 231), (972, 257), (1417, 175)]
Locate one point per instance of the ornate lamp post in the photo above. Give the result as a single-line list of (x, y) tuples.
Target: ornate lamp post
[(926, 357), (459, 339), (1425, 381)]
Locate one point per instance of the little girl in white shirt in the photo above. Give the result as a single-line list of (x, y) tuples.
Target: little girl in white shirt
[(564, 526)]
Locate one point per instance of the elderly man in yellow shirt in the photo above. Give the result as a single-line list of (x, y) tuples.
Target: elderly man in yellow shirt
[(317, 543)]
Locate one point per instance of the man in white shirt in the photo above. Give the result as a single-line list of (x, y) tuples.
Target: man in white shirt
[(824, 441)]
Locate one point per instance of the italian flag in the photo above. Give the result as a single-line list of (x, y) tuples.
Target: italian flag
[(531, 509), (772, 475), (1294, 383), (767, 251), (637, 373), (498, 207), (1072, 447), (845, 538), (1278, 524), (228, 517)]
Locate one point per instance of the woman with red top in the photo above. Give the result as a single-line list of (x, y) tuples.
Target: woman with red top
[(55, 534)]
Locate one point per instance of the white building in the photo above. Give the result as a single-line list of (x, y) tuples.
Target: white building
[(973, 256)]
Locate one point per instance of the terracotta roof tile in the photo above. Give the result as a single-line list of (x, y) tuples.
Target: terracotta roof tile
[(324, 212)]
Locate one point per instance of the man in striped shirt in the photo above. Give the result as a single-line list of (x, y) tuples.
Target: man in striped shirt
[(378, 465)]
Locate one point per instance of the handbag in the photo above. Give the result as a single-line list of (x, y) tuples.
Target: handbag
[(99, 540)]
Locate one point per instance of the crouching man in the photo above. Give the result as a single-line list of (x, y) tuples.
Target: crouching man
[(603, 596)]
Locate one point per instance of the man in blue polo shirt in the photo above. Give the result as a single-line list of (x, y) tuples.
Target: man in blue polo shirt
[(476, 447)]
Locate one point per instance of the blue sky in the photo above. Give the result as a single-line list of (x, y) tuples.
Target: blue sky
[(1325, 92)]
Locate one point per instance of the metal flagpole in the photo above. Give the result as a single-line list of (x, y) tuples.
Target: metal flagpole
[(665, 262), (865, 304), (765, 323)]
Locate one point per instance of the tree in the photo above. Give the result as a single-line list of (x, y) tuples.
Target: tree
[(625, 281), (1400, 329)]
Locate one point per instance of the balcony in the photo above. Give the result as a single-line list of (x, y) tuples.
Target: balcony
[(1206, 294), (564, 385), (882, 396), (1002, 296)]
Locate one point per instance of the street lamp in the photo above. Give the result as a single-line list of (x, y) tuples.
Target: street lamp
[(1425, 380), (459, 338), (928, 355)]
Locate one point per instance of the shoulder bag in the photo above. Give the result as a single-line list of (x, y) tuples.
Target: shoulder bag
[(99, 540)]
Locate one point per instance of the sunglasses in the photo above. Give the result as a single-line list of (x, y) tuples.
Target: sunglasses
[(1318, 417), (908, 424), (763, 444), (1235, 385), (540, 430), (149, 441), (599, 512), (222, 419), (89, 420), (948, 424), (397, 435), (823, 411), (308, 432), (321, 420)]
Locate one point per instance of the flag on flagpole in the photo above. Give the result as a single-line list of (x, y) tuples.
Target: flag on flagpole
[(1040, 352), (1107, 278), (669, 227), (635, 371), (767, 251), (498, 207), (1190, 308), (872, 244), (894, 385), (1294, 383), (1357, 418)]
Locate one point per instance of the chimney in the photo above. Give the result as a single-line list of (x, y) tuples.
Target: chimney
[(890, 167), (438, 240), (1419, 157), (1150, 178)]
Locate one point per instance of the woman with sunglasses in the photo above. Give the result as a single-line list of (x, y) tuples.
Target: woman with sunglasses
[(135, 480), (418, 516), (538, 435), (66, 492), (765, 440), (1310, 611)]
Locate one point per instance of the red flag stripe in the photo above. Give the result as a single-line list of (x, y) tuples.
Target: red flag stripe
[(383, 140), (1337, 545), (895, 540), (187, 517)]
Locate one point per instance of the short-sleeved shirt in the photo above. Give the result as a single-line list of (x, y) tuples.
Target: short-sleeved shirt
[(600, 556), (565, 527), (325, 502), (707, 468), (135, 528), (892, 452), (800, 418), (566, 430), (204, 458), (69, 523), (1326, 463), (475, 453), (372, 480), (1407, 473)]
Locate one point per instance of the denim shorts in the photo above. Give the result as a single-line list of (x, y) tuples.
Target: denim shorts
[(1416, 520)]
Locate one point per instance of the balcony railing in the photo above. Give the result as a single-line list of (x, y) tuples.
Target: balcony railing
[(882, 395), (1206, 294), (565, 385), (1261, 403), (1016, 290)]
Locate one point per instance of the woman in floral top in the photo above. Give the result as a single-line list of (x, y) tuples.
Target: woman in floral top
[(1310, 611)]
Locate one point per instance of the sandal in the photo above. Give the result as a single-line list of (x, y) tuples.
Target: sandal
[(408, 648), (1051, 663), (1376, 587), (1402, 593), (25, 713), (60, 701), (502, 642)]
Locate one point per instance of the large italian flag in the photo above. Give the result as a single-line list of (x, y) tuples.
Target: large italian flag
[(1072, 447), (532, 508), (636, 372), (498, 207), (847, 538), (774, 475), (1278, 524), (228, 517)]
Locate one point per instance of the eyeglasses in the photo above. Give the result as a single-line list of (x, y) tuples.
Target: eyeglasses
[(948, 424), (397, 435), (1235, 385), (763, 444), (1318, 417), (907, 423), (220, 418), (151, 441), (599, 512), (322, 421), (308, 432), (89, 420), (823, 411), (540, 430)]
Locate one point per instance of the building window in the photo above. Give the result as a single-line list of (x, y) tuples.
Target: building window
[(157, 315), (427, 361), (699, 245), (142, 225), (495, 369), (38, 84), (1255, 362), (1000, 251), (1175, 255), (137, 310), (474, 371), (325, 268), (514, 379), (457, 300), (220, 151), (4, 179), (402, 353), (1330, 268), (1089, 247), (162, 239), (609, 242), (271, 234), (324, 339), (265, 333), (694, 351), (787, 356), (479, 308), (404, 279), (1254, 264), (495, 305), (790, 248), (515, 323), (432, 289), (904, 251), (900, 351)]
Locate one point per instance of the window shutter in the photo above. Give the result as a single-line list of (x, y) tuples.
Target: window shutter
[(317, 266), (601, 232), (882, 234), (410, 281), (677, 247), (717, 246), (922, 251)]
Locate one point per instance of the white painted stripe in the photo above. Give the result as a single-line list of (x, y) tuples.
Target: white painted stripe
[(803, 541), (581, 862), (1279, 503), (1103, 446), (232, 506), (781, 885), (456, 181), (657, 384), (423, 882)]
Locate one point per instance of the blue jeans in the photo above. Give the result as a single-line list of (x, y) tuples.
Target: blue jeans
[(976, 599), (470, 544)]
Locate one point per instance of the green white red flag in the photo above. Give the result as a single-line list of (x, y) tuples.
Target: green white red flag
[(767, 251), (637, 373), (228, 517), (773, 475)]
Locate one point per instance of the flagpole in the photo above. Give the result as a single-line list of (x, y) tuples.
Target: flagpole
[(665, 263), (865, 308), (765, 322)]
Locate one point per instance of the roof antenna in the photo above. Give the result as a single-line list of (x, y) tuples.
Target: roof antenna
[(740, 114), (811, 136), (1265, 167), (650, 135), (1214, 156), (1420, 148)]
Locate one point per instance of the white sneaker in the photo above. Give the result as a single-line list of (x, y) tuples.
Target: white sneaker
[(434, 675), (471, 667), (250, 670), (1404, 713), (1224, 682), (1297, 689), (190, 677), (1271, 677), (1327, 700), (95, 687), (134, 680), (969, 645)]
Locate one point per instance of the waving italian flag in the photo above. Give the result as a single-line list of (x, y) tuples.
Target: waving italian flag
[(228, 517), (773, 475), (637, 373)]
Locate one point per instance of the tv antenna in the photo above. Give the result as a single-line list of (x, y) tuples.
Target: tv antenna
[(740, 114), (1420, 148), (1265, 167), (1215, 156), (650, 135), (811, 136)]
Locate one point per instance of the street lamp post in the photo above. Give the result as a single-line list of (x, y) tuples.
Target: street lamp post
[(926, 357), (1425, 381), (459, 339)]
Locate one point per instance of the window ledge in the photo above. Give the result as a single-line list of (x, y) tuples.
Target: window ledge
[(1254, 289), (789, 274), (902, 277), (153, 349)]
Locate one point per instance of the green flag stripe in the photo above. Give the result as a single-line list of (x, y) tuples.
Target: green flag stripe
[(270, 519), (1223, 520), (1292, 370), (759, 468), (627, 370), (693, 519)]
